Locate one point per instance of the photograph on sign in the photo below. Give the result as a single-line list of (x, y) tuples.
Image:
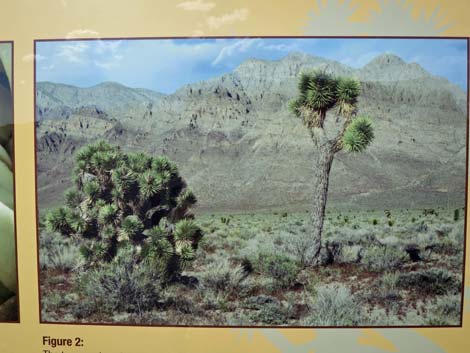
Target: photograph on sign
[(300, 182)]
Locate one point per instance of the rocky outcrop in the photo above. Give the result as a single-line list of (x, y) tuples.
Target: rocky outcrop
[(239, 147)]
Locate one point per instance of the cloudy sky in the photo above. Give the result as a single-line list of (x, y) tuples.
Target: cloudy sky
[(166, 65)]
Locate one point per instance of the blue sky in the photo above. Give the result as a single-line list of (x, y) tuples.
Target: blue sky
[(166, 65)]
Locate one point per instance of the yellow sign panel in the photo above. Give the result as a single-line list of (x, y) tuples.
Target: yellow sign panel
[(163, 187)]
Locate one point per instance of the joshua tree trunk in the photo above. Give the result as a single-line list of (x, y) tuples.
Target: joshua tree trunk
[(322, 167)]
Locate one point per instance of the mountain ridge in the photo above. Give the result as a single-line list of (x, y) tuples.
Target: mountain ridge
[(234, 131)]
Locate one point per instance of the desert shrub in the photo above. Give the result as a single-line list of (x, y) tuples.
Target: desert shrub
[(64, 257), (283, 270), (363, 236), (444, 229), (50, 240), (301, 246), (120, 286), (224, 278), (430, 282), (380, 317), (385, 317), (456, 215), (58, 302), (176, 297), (421, 227), (131, 199), (272, 314), (386, 287), (350, 254), (380, 258), (333, 305), (457, 235), (426, 239), (58, 252), (445, 311)]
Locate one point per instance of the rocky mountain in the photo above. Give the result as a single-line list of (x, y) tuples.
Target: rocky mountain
[(239, 148)]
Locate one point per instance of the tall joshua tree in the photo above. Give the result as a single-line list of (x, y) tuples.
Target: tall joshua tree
[(327, 106)]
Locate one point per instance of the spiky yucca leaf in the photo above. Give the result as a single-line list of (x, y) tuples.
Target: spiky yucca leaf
[(73, 198), (156, 233), (104, 161), (358, 135), (125, 182), (139, 162), (186, 199), (100, 250), (92, 190), (157, 249), (78, 224), (86, 252), (321, 94), (295, 106), (186, 229), (99, 204), (186, 252), (150, 184), (58, 220), (348, 90), (162, 163), (131, 227), (107, 214), (304, 81), (83, 158), (108, 233)]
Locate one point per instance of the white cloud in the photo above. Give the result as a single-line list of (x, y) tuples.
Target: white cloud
[(239, 46), (74, 52), (237, 15), (108, 46), (47, 67), (113, 62), (196, 5), (278, 47)]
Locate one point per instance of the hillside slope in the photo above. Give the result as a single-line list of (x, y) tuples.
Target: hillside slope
[(239, 147)]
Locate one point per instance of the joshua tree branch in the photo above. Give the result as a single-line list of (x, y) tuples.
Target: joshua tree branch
[(337, 144)]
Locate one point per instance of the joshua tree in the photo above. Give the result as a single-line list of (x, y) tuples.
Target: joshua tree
[(327, 106), (131, 204)]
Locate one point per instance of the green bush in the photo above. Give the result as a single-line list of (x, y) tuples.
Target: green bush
[(129, 199), (381, 258), (457, 235), (282, 269), (119, 286), (445, 311), (333, 305), (430, 282), (272, 314), (64, 257), (224, 278)]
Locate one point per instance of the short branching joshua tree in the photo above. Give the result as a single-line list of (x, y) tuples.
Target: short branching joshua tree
[(130, 203), (327, 106)]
